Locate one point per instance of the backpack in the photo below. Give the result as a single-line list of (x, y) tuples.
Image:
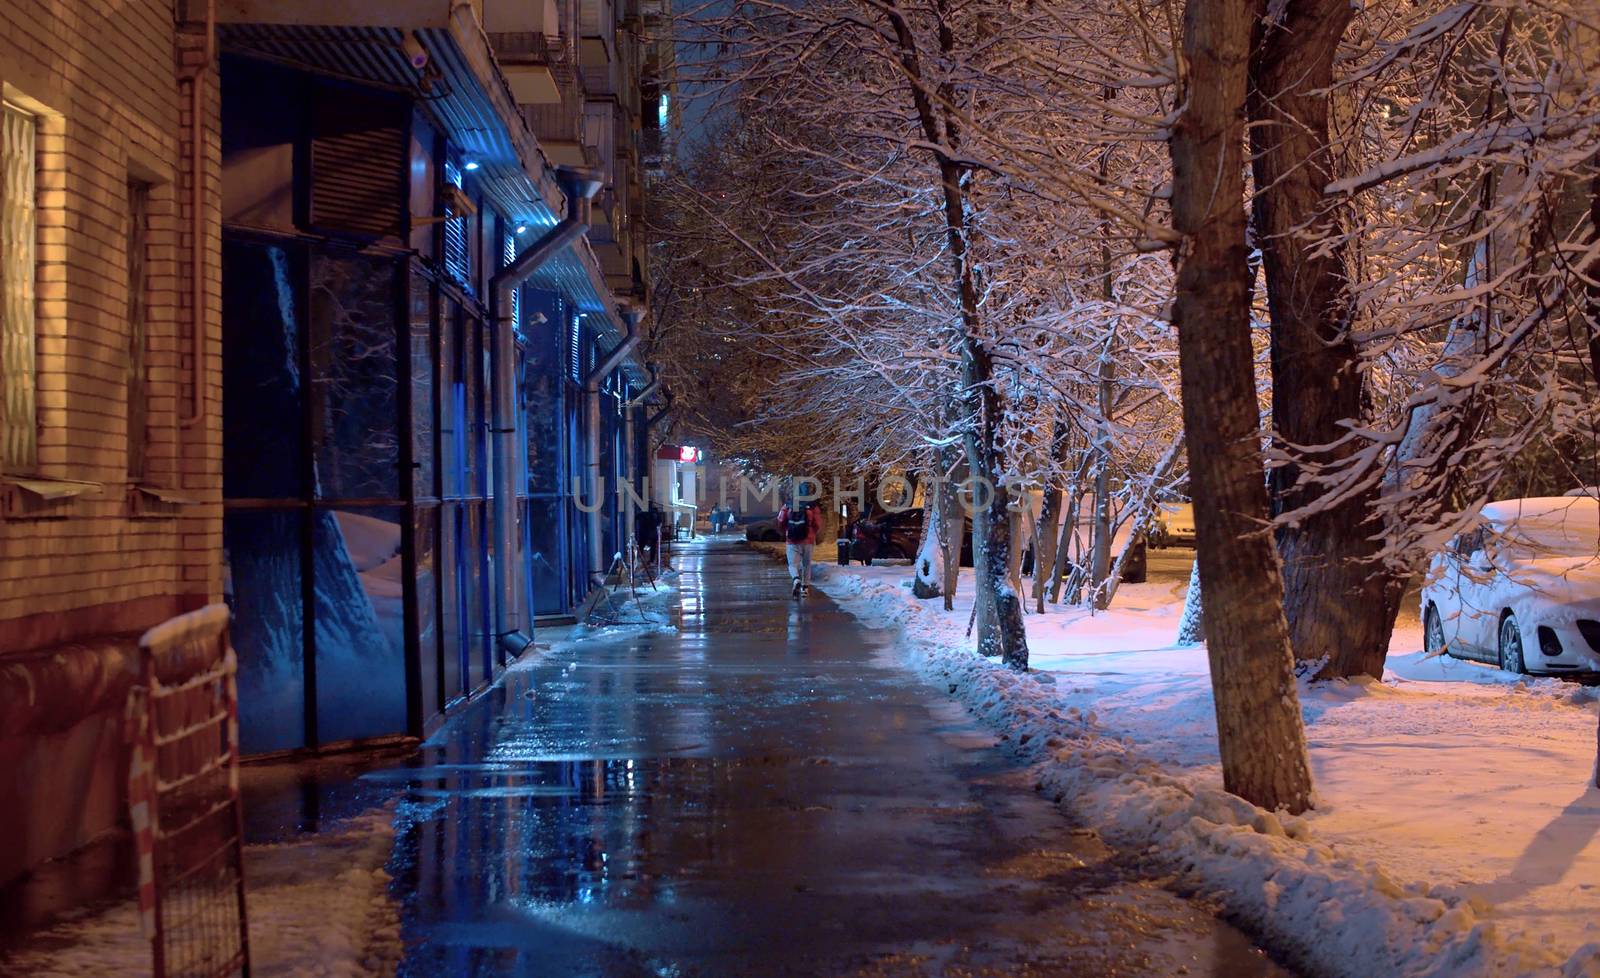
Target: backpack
[(798, 526)]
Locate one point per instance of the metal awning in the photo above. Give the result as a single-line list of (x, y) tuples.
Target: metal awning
[(52, 490), (461, 89)]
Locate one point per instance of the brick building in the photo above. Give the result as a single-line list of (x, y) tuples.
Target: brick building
[(365, 412), (110, 435)]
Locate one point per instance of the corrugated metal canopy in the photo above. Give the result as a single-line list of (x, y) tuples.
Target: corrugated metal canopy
[(449, 93), (512, 170)]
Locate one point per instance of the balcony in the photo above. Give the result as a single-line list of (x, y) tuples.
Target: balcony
[(559, 129), (597, 19), (599, 135), (526, 37)]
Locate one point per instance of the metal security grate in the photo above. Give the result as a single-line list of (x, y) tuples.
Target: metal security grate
[(19, 445), (516, 294), (457, 250), (574, 345), (358, 160), (183, 796)]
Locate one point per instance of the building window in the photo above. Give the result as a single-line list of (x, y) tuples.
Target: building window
[(19, 440), (138, 289), (457, 235)]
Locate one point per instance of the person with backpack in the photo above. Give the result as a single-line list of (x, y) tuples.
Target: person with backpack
[(801, 523)]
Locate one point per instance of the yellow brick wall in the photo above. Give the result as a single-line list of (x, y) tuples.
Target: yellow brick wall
[(111, 72)]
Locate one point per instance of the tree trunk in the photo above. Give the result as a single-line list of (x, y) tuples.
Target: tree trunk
[(1192, 625), (1066, 549), (1044, 554), (928, 574), (1100, 570), (956, 528), (1024, 530), (1340, 600), (1133, 562), (1069, 552), (1045, 569), (1003, 631), (1593, 310), (1044, 547), (953, 526), (1100, 532), (1259, 728)]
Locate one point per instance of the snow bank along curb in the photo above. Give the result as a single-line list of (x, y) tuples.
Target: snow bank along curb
[(1328, 914), (318, 908)]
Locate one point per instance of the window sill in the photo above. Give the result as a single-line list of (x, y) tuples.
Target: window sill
[(39, 498), (155, 502)]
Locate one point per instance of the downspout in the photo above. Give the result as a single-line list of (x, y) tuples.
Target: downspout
[(591, 393), (197, 204), (579, 188), (644, 395), (651, 421), (628, 435), (655, 419)]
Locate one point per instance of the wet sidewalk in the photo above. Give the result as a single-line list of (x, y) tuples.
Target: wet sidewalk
[(761, 792)]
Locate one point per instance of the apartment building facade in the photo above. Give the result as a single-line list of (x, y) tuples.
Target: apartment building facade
[(110, 384), (310, 306), (431, 330)]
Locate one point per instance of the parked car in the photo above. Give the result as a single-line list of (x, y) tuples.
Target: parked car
[(1521, 591), (883, 535), (763, 529), (1173, 526), (890, 535)]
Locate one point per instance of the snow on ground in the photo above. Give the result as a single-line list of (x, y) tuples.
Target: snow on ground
[(1455, 832), (318, 908), (625, 610)]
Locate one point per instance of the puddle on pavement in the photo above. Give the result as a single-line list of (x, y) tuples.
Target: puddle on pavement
[(758, 796)]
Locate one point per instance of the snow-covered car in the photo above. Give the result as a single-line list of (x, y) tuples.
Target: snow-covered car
[(1173, 526), (1522, 590)]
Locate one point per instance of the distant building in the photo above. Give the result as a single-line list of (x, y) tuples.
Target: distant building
[(110, 384)]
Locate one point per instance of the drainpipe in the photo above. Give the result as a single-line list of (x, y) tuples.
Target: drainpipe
[(644, 395), (591, 393), (197, 226), (632, 455), (650, 421), (655, 419), (580, 188)]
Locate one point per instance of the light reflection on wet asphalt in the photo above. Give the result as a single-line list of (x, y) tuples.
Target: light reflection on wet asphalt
[(760, 793)]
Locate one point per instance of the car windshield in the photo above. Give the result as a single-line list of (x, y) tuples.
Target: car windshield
[(1565, 528)]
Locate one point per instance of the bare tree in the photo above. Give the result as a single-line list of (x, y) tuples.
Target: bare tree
[(1259, 729)]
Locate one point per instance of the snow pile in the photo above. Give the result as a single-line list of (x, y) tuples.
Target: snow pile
[(640, 605), (621, 612), (318, 908), (1457, 776)]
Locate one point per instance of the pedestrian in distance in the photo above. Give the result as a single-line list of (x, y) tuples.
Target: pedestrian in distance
[(801, 522)]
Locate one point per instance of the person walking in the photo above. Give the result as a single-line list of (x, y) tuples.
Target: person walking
[(801, 523)]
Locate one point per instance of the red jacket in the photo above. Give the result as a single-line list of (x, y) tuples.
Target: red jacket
[(813, 524)]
